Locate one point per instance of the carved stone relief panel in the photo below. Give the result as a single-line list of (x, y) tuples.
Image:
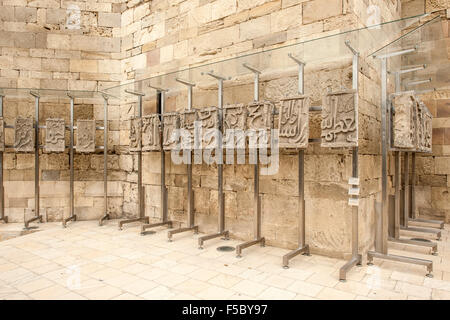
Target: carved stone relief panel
[(404, 123), (188, 118), (24, 135), (424, 128), (340, 120), (234, 125), (171, 123), (135, 134), (259, 122), (209, 118), (54, 135), (2, 135), (85, 136), (293, 122), (150, 133)]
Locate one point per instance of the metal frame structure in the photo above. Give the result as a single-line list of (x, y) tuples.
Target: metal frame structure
[(302, 247), (190, 226), (354, 181), (164, 194), (221, 214), (72, 216), (141, 211), (106, 215), (256, 196), (381, 237), (2, 190), (37, 216)]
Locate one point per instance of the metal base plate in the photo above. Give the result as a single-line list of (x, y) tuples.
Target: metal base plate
[(225, 248), (421, 239), (144, 233)]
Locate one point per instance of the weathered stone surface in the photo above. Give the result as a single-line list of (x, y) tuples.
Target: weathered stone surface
[(234, 125), (188, 118), (2, 135), (209, 118), (24, 135), (171, 123), (424, 128), (293, 123), (404, 126), (339, 120), (85, 136), (151, 140), (135, 134), (259, 123), (54, 135)]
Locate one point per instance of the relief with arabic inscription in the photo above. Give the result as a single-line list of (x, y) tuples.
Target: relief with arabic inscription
[(259, 121), (24, 135), (135, 134), (150, 133), (234, 125), (424, 128), (54, 135), (85, 136), (209, 118), (171, 124), (404, 124), (2, 135), (293, 122), (340, 120), (188, 118)]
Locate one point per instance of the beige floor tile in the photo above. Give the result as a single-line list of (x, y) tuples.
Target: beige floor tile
[(323, 280), (158, 293), (334, 294), (35, 285), (438, 294), (183, 268), (249, 288), (54, 292), (139, 286), (127, 296), (277, 281), (215, 293), (171, 280), (272, 293), (202, 274), (103, 293), (224, 280), (192, 286), (305, 288), (413, 290), (381, 294), (353, 287)]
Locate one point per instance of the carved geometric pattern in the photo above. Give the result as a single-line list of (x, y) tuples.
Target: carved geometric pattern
[(171, 124), (188, 118), (339, 120), (85, 136), (151, 140), (234, 125), (293, 122), (209, 118), (54, 135), (404, 120), (2, 135), (135, 134), (24, 135), (259, 123)]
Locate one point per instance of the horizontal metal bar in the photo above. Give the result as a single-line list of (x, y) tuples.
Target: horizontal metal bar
[(215, 76), (348, 44), (417, 82), (299, 62), (185, 82), (252, 69), (135, 93), (412, 69), (158, 88), (396, 53)]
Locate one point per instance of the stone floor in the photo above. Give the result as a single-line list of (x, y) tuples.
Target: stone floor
[(86, 261)]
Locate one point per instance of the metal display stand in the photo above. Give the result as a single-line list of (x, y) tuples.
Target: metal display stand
[(221, 214), (2, 190), (37, 216), (256, 196), (106, 215), (190, 226), (302, 248), (164, 214), (141, 211), (381, 237), (354, 181)]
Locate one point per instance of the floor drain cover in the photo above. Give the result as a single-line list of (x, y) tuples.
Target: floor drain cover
[(225, 248), (420, 239), (147, 233)]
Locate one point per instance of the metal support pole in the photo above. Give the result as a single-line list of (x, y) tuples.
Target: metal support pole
[(37, 216), (398, 186), (72, 215), (106, 215), (190, 216), (356, 257), (141, 213), (2, 190), (381, 236), (221, 214), (164, 194), (256, 196), (302, 248)]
